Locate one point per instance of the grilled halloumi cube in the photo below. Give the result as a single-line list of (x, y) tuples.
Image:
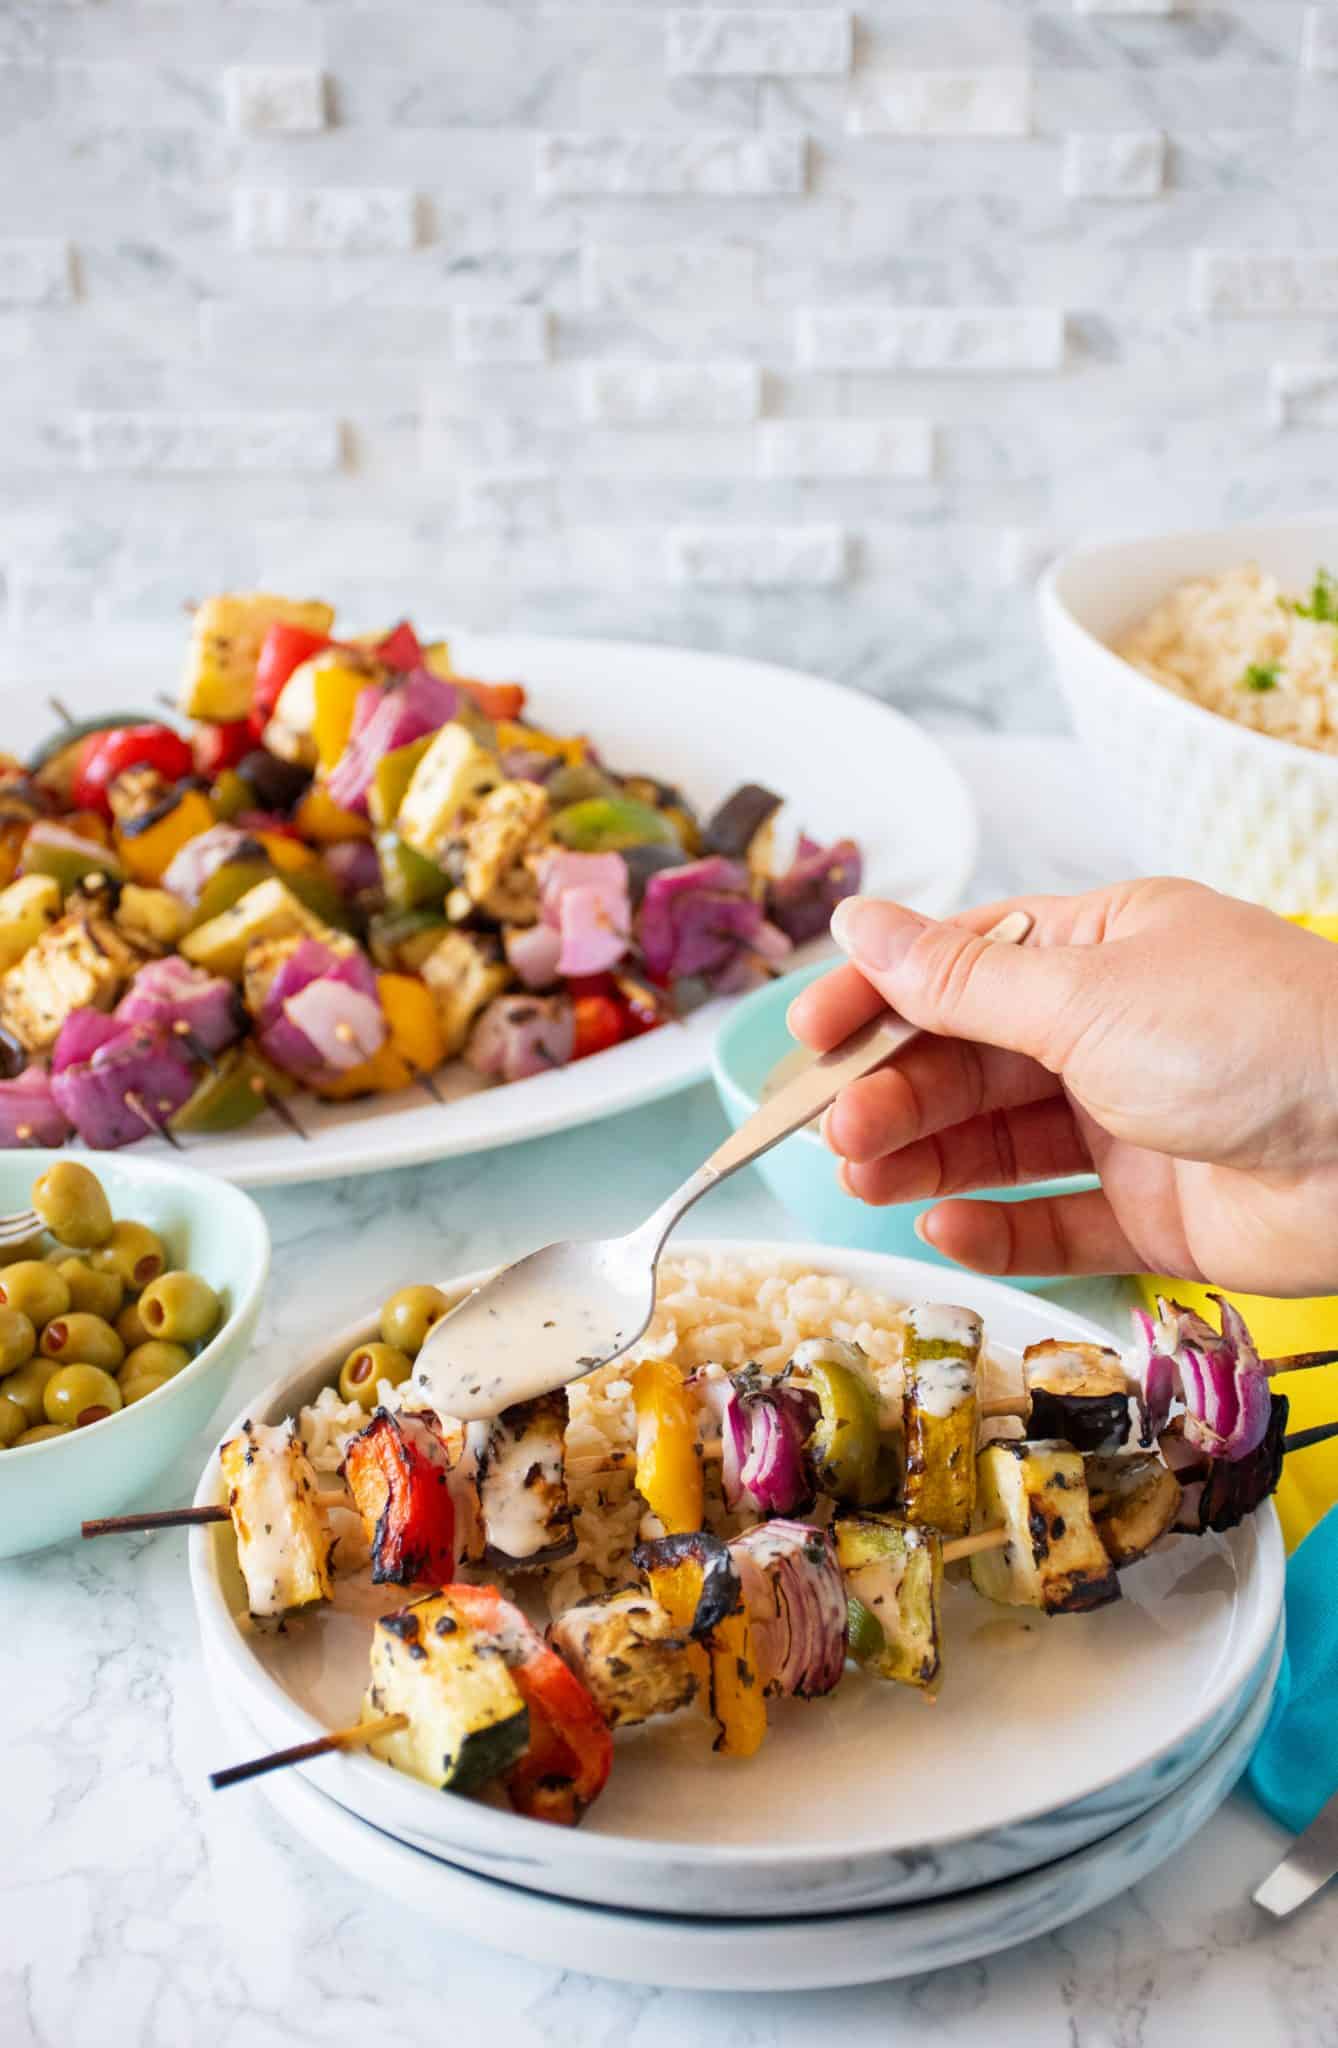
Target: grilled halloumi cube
[(1079, 1394), (1054, 1558), (464, 971), (629, 1655), (283, 1537), (510, 824), (226, 637), (446, 788), (27, 908), (79, 963), (895, 1571), (467, 1720), (269, 911), (522, 1485), (1134, 1501), (152, 919), (941, 1415)]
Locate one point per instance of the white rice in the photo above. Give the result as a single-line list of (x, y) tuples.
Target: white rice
[(1206, 637)]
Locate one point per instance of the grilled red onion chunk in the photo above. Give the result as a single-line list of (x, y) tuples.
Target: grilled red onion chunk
[(29, 1114), (1218, 1376), (169, 994), (764, 1427), (796, 1601)]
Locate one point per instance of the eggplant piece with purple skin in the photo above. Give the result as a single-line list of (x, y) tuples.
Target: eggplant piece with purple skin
[(522, 1484), (740, 822), (1135, 1502), (720, 1580), (1218, 1493), (1079, 1393)]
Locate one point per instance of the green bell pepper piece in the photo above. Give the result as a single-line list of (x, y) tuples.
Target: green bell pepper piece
[(410, 881), (230, 794), (227, 885), (847, 1453), (606, 824), (864, 1632), (233, 1094), (51, 849), (392, 776)]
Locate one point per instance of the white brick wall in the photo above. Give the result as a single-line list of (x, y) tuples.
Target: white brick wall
[(1128, 165), (670, 394), (501, 334), (932, 338), (667, 165), (34, 272), (626, 277), (763, 557), (335, 221), (1127, 6), (1260, 282), (900, 102), (508, 500), (301, 443), (1319, 47), (1304, 394), (846, 448), (785, 43), (274, 99)]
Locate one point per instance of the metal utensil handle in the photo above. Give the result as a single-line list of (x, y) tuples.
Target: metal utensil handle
[(807, 1096)]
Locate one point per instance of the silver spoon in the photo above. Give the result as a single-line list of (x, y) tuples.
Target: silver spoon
[(562, 1312)]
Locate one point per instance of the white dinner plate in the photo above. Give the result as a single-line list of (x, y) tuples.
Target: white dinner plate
[(808, 1954), (1046, 1733), (847, 765)]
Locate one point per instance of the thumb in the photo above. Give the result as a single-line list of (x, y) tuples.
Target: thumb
[(1029, 999)]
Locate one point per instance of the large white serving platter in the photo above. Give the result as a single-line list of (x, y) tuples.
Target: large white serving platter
[(809, 1953), (1046, 1733), (846, 764)]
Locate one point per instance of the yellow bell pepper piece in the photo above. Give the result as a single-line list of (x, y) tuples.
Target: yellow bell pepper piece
[(146, 856), (512, 734), (289, 856), (336, 689), (437, 657), (320, 818), (678, 1588), (668, 1461), (728, 1663), (414, 1044)]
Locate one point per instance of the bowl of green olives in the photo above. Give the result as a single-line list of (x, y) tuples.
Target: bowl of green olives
[(123, 1319)]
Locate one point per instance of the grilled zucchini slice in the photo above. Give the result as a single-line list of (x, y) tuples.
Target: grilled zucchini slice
[(941, 1414), (467, 1720), (1054, 1558), (1134, 1501), (895, 1571), (1079, 1394), (630, 1656), (226, 638), (269, 911), (449, 783)]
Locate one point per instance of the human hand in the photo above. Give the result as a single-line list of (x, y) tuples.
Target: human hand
[(1180, 1044)]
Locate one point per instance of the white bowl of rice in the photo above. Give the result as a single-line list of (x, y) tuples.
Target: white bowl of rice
[(1201, 670)]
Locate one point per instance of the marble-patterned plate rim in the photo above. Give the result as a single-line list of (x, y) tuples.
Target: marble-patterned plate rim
[(871, 1945), (472, 1831), (704, 720)]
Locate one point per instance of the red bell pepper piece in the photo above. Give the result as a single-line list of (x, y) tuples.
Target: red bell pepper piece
[(398, 1471), (570, 1752), (283, 649), (109, 754), (401, 648), (222, 746), (494, 700), (600, 1023)]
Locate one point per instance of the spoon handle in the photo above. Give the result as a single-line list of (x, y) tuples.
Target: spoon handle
[(808, 1095)]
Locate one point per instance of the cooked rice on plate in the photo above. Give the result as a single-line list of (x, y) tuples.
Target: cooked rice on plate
[(1241, 645)]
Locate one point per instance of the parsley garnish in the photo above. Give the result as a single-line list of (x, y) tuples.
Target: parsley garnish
[(1260, 676), (1323, 603)]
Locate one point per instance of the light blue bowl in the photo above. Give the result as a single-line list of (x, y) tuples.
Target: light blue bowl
[(801, 1172), (47, 1489)]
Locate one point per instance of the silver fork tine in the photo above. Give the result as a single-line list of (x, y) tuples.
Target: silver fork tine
[(23, 1224)]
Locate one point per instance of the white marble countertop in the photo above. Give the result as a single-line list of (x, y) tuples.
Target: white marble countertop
[(138, 1911)]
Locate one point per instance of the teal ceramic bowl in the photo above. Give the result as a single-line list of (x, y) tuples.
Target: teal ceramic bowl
[(801, 1172), (48, 1489)]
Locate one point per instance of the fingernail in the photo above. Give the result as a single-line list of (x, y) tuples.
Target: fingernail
[(843, 1180), (875, 934), (921, 1228)]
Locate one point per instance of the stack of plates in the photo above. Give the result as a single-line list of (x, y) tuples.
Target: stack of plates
[(875, 1834)]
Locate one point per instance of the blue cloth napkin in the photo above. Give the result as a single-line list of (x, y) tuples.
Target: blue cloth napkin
[(1294, 1769)]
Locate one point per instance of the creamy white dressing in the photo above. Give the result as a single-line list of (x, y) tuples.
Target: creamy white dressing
[(937, 1322), (940, 1386), (518, 1509), (274, 1513)]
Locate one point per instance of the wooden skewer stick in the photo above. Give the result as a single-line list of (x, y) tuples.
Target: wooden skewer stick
[(138, 1107), (1302, 1439), (182, 1518), (1300, 1361), (300, 1753), (63, 713), (196, 1047), (281, 1110), (968, 1546), (429, 1086)]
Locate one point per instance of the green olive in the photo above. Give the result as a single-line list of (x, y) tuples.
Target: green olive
[(85, 1338), (18, 1339), (13, 1422), (27, 1385), (37, 1290), (92, 1293), (42, 1434), (70, 1201), (23, 1248), (133, 1253), (164, 1361), (181, 1307), (80, 1394), (366, 1366), (409, 1315), (129, 1326), (138, 1385)]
